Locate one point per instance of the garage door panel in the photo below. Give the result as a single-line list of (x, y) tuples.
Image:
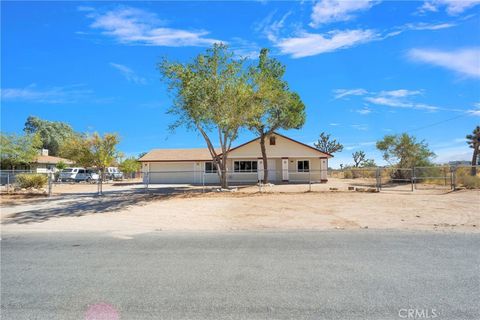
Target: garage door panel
[(172, 172)]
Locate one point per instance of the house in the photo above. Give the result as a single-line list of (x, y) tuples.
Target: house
[(288, 161), (45, 163)]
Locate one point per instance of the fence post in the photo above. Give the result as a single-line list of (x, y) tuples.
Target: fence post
[(147, 181), (309, 180), (8, 182), (203, 181), (414, 179), (377, 180), (50, 184), (445, 175), (453, 177)]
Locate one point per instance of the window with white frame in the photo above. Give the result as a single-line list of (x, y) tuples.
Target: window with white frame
[(210, 167), (245, 166), (303, 166)]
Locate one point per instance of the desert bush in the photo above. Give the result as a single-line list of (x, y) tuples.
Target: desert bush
[(348, 174), (464, 179), (359, 173), (25, 180)]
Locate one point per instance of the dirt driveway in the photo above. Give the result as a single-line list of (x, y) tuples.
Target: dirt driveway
[(128, 213)]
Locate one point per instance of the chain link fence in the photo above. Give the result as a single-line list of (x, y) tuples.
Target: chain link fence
[(410, 179), (207, 181), (361, 179), (25, 180)]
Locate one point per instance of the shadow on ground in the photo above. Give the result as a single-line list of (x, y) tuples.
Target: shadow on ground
[(76, 205)]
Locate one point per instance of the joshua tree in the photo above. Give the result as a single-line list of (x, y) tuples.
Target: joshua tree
[(473, 141)]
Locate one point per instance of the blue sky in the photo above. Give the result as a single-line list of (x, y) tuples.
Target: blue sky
[(363, 69)]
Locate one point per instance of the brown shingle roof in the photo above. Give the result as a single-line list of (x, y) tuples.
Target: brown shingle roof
[(52, 160), (165, 155)]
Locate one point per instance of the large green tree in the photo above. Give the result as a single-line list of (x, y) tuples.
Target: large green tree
[(404, 151), (275, 106), (211, 95), (473, 141), (16, 150), (53, 134)]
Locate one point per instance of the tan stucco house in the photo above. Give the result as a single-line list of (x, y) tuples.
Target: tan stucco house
[(288, 161), (45, 163)]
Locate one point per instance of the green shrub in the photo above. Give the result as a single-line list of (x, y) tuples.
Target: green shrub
[(25, 180)]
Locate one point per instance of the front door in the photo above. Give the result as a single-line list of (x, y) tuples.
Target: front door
[(272, 172)]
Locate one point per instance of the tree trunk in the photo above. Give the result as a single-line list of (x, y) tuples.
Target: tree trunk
[(221, 165), (264, 157), (474, 160), (223, 179)]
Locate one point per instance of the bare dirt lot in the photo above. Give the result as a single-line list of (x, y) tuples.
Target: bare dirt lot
[(126, 209)]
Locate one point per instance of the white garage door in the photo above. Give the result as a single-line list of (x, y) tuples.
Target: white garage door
[(174, 172)]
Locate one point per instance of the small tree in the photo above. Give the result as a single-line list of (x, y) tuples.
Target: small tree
[(61, 165), (130, 165), (404, 151), (360, 160), (78, 150), (212, 96), (18, 150), (103, 150), (368, 163), (327, 145), (274, 105), (473, 141)]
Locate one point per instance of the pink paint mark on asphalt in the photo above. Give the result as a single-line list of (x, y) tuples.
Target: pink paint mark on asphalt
[(101, 311)]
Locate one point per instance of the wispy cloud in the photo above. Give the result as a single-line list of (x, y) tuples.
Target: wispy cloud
[(429, 26), (309, 44), (361, 127), (364, 111), (400, 98), (397, 103), (452, 7), (295, 41), (134, 26), (359, 145), (342, 93), (128, 73), (463, 61), (476, 110), (244, 48), (53, 95), (327, 11), (400, 93)]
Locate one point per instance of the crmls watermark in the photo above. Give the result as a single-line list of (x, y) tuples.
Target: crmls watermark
[(417, 313)]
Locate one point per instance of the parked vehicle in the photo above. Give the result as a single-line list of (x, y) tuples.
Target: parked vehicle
[(113, 173), (94, 176), (77, 175)]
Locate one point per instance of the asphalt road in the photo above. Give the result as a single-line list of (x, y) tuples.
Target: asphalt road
[(294, 275)]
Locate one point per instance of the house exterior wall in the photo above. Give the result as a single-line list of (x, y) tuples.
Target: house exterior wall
[(193, 172), (283, 148), (43, 168)]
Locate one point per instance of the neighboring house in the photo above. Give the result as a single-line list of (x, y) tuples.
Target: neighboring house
[(45, 163), (288, 161)]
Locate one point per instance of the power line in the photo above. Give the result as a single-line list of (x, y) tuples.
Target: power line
[(437, 123)]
